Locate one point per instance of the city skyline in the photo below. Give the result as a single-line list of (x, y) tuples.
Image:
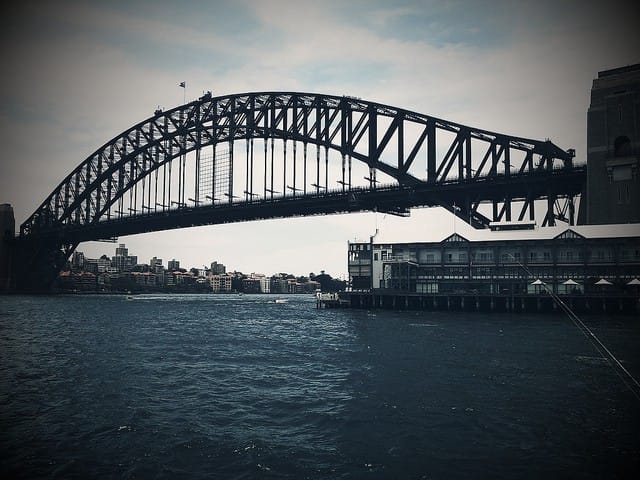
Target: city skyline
[(166, 263), (79, 73)]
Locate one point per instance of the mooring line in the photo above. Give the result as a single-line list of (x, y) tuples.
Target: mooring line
[(593, 339)]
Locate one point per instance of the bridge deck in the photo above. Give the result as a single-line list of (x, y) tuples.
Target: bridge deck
[(392, 198)]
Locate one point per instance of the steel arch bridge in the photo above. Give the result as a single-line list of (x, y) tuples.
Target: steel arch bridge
[(278, 154)]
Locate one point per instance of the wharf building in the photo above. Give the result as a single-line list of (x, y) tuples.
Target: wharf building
[(595, 265), (502, 270)]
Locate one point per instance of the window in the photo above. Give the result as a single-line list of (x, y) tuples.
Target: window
[(622, 147), (375, 256)]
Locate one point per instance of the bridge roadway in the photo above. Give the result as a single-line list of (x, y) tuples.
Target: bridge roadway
[(395, 199)]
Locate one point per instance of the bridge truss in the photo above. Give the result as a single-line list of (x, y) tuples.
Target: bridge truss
[(148, 168), (264, 155)]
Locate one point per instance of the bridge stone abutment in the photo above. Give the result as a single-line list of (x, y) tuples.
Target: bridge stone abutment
[(26, 265), (7, 229)]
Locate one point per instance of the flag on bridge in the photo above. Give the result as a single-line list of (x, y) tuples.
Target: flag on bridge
[(183, 85)]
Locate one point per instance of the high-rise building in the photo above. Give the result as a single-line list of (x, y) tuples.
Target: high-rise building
[(218, 268), (122, 261), (77, 260), (103, 264), (155, 265), (613, 148), (173, 265)]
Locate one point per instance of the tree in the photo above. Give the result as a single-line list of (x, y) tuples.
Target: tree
[(329, 284)]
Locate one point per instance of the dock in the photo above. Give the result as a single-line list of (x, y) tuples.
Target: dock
[(331, 300), (623, 304)]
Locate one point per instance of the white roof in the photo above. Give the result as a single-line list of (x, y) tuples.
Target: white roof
[(429, 235)]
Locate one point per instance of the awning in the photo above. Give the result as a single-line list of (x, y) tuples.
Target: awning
[(570, 282), (635, 281), (603, 281), (538, 282)]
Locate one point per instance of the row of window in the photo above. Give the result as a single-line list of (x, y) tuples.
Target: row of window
[(404, 270), (563, 256)]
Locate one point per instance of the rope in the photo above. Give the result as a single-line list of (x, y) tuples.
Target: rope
[(600, 347)]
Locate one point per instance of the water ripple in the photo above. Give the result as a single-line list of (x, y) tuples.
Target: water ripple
[(202, 386)]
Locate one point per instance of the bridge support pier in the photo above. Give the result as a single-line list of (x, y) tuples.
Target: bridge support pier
[(7, 229)]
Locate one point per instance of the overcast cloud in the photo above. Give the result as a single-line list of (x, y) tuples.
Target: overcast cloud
[(78, 73)]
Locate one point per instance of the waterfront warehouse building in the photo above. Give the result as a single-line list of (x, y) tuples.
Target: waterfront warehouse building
[(581, 262), (598, 259)]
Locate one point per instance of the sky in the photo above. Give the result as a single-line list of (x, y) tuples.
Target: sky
[(77, 73)]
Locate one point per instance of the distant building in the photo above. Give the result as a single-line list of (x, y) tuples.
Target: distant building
[(294, 286), (79, 281), (278, 285), (155, 265), (567, 261), (265, 284), (92, 265), (122, 250), (218, 268), (613, 148), (173, 265), (77, 260), (103, 264), (122, 262), (220, 283), (251, 285), (144, 279)]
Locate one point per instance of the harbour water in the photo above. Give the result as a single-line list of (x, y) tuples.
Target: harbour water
[(242, 387)]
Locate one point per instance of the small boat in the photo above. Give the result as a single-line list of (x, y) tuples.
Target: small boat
[(281, 300)]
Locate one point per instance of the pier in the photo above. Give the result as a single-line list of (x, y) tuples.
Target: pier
[(479, 303), (331, 300)]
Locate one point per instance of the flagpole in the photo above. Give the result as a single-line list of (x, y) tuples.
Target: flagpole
[(183, 85)]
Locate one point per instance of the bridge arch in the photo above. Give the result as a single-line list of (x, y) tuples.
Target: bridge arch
[(370, 134)]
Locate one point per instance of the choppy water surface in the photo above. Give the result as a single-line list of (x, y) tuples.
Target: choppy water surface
[(243, 387)]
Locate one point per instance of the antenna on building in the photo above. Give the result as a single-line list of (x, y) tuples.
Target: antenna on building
[(455, 209)]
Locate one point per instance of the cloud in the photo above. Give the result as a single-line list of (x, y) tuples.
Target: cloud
[(78, 73)]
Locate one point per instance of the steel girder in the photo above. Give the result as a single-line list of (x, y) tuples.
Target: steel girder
[(357, 129)]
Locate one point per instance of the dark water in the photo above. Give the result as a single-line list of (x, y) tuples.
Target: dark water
[(242, 387)]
